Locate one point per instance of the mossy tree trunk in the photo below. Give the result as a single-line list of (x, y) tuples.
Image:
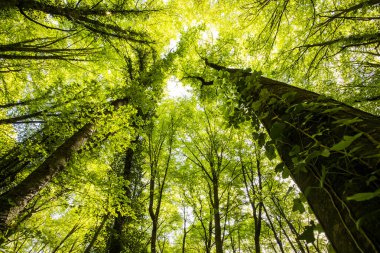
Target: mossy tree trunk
[(331, 150)]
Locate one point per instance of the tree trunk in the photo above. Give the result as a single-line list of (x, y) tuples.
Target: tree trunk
[(216, 207), (331, 151), (184, 239), (278, 240), (70, 233), (115, 243), (14, 201), (249, 180), (152, 214), (96, 234), (153, 242), (288, 222), (328, 179)]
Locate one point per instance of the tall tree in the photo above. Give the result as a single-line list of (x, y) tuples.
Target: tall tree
[(160, 140), (325, 145), (209, 151)]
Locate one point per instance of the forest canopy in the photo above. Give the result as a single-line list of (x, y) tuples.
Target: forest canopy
[(189, 126)]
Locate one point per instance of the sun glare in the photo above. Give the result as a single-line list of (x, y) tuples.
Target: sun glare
[(175, 89)]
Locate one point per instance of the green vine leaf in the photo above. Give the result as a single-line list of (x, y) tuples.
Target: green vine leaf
[(270, 151), (347, 140), (277, 130), (279, 167), (307, 235), (298, 206), (363, 196), (325, 153), (346, 122)]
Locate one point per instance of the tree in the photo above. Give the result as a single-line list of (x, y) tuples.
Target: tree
[(209, 155), (160, 150), (324, 144), (125, 222), (82, 14), (251, 174)]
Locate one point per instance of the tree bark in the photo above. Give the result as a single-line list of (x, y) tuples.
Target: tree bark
[(249, 183)]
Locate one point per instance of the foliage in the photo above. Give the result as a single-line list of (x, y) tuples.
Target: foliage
[(90, 77)]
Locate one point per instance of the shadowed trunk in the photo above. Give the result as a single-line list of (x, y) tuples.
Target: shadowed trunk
[(275, 234), (216, 208), (331, 151), (96, 234), (115, 242)]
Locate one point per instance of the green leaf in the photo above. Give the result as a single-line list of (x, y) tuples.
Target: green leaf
[(261, 139), (335, 109), (300, 167), (279, 167), (295, 150), (324, 173), (285, 173), (364, 196), (319, 228), (270, 151), (272, 101), (307, 235), (347, 140), (289, 96), (371, 179), (298, 206), (264, 94), (346, 122), (325, 153), (277, 130)]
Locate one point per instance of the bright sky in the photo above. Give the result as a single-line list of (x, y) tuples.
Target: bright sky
[(175, 89)]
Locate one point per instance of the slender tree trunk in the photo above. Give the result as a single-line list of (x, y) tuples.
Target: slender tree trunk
[(184, 238), (287, 237), (249, 182), (289, 223), (216, 207), (331, 151), (279, 243), (153, 240), (209, 237), (154, 156), (185, 230), (115, 244), (70, 233), (257, 216), (96, 234)]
